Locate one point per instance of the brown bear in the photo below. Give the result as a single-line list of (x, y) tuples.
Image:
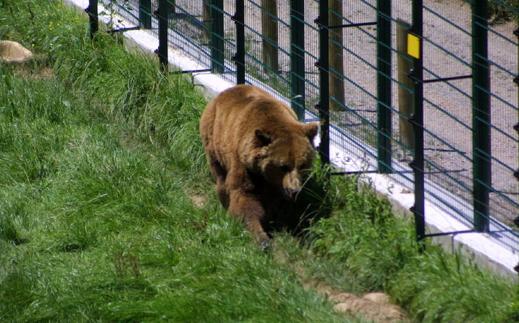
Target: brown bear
[(258, 153)]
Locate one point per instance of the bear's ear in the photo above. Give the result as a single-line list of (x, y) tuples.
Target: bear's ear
[(262, 138), (311, 129)]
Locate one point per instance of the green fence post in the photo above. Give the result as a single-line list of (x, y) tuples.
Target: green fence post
[(481, 149), (217, 41), (162, 51), (145, 13), (324, 69), (93, 17), (384, 114), (297, 57), (239, 57), (417, 164)]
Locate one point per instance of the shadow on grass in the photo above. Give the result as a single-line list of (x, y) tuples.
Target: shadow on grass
[(296, 217)]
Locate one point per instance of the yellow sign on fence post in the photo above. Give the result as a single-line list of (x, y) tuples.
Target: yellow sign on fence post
[(413, 46)]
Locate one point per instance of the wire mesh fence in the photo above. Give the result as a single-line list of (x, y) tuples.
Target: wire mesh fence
[(423, 91)]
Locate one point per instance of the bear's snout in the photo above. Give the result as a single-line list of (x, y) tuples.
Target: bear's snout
[(291, 194), (292, 184)]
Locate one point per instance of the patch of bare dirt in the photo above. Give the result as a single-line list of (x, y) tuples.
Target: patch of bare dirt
[(45, 73), (198, 200), (374, 307)]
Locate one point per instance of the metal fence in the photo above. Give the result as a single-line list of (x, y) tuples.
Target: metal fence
[(427, 94)]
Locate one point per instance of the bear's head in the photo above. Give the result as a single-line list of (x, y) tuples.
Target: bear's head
[(283, 156)]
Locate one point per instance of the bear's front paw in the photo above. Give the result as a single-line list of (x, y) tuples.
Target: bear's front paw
[(265, 245)]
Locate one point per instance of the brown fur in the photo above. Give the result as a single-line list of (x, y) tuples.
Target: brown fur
[(257, 152)]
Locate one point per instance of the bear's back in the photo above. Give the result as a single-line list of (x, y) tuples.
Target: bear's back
[(251, 106), (241, 109)]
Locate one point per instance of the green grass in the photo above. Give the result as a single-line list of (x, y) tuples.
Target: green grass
[(98, 165)]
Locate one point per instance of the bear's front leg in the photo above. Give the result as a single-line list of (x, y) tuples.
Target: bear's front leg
[(247, 208), (221, 190), (219, 173)]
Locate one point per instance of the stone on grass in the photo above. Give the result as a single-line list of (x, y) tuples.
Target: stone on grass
[(13, 52)]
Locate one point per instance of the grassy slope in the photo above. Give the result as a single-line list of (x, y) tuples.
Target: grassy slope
[(96, 222)]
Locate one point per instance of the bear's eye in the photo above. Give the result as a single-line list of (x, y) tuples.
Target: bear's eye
[(284, 168)]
